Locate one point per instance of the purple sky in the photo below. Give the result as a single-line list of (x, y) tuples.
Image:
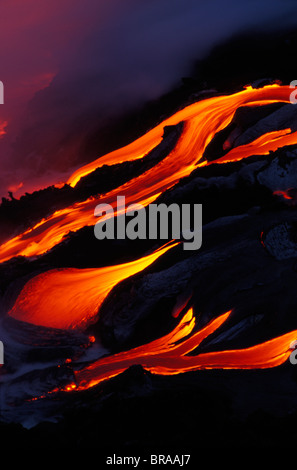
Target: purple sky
[(66, 64)]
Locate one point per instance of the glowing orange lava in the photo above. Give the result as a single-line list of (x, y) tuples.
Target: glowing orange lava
[(70, 298), (169, 354), (261, 146), (285, 194)]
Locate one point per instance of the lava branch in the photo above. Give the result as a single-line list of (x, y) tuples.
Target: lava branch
[(168, 355)]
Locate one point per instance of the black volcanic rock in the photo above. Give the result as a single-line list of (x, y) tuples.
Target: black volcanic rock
[(283, 118)]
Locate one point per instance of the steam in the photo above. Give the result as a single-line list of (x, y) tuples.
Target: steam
[(88, 62)]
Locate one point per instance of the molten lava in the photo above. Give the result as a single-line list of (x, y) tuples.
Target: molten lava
[(70, 298), (287, 194), (169, 355), (261, 146)]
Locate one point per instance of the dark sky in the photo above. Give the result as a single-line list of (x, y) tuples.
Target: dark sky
[(67, 63)]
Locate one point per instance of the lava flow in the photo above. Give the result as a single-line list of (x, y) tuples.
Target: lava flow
[(169, 354), (70, 298), (202, 120)]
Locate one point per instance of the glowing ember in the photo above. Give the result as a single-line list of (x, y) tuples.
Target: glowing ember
[(287, 194), (3, 125)]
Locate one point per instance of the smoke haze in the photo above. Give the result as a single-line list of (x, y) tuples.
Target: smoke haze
[(68, 66)]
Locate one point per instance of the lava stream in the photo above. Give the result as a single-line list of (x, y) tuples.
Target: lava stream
[(169, 354), (70, 298)]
